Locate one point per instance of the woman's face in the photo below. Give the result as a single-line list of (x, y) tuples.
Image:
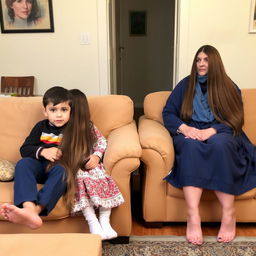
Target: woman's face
[(202, 64), (22, 8)]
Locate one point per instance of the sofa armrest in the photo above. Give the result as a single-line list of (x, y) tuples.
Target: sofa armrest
[(153, 135), (123, 143)]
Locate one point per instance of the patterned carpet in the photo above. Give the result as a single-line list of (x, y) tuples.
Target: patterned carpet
[(177, 246)]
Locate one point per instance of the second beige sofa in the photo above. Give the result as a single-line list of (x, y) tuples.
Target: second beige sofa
[(164, 203)]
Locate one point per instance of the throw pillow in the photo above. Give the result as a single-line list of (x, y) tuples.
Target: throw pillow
[(6, 170)]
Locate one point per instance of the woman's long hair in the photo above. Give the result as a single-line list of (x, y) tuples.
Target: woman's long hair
[(77, 142), (223, 96)]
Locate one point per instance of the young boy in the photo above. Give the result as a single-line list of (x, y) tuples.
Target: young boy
[(40, 148)]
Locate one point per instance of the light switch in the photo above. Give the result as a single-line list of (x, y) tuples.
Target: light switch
[(85, 38)]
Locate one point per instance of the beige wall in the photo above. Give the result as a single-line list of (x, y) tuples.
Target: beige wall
[(223, 24), (57, 58)]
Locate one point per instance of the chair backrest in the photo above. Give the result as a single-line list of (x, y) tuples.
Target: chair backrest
[(20, 85)]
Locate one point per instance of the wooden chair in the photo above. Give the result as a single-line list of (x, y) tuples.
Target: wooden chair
[(20, 85)]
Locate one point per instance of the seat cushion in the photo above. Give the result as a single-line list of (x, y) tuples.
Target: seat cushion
[(207, 194), (6, 196)]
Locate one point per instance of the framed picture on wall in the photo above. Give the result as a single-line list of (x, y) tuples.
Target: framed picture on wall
[(138, 23), (252, 27), (26, 16)]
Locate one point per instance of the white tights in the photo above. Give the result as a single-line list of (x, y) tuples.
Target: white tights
[(102, 225)]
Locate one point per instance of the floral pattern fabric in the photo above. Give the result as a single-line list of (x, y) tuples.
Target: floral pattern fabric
[(95, 187)]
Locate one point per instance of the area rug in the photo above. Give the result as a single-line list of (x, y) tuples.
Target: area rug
[(178, 246)]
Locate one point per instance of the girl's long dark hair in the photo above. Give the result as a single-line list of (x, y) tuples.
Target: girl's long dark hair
[(223, 96), (77, 142)]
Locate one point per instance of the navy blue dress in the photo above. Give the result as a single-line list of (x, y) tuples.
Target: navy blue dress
[(224, 162)]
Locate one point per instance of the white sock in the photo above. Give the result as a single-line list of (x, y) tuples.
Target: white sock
[(104, 214), (93, 222)]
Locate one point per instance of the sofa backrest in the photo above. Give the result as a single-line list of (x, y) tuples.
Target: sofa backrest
[(19, 114), (155, 102), (249, 100)]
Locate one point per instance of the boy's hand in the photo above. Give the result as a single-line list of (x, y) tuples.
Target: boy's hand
[(92, 162), (51, 154)]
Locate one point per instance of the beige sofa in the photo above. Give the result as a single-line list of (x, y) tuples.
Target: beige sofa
[(164, 203), (113, 115)]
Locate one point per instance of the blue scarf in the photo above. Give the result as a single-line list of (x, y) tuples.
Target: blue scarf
[(201, 108)]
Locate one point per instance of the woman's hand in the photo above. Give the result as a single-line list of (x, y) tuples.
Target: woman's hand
[(196, 134), (92, 162), (189, 132), (205, 134)]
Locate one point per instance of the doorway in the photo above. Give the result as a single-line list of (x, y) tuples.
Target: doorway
[(142, 47)]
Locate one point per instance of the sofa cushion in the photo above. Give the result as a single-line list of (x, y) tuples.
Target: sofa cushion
[(110, 112), (207, 194), (6, 196), (22, 113), (19, 116), (249, 96)]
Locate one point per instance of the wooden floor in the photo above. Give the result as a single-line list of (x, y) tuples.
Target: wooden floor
[(179, 229)]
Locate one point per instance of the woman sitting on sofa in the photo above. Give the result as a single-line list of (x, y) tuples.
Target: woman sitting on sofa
[(204, 115)]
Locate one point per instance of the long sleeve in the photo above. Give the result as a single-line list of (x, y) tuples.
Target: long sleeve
[(100, 145), (43, 135), (222, 128), (171, 111), (32, 144)]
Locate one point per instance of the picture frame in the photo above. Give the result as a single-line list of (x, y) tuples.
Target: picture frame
[(252, 25), (138, 23), (33, 16)]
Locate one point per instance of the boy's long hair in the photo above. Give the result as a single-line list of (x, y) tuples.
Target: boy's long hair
[(223, 96), (77, 142)]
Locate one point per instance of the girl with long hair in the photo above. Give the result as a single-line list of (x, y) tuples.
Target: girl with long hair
[(204, 115), (88, 185)]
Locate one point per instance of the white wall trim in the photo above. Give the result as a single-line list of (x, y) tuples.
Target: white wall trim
[(182, 39), (176, 44), (103, 47)]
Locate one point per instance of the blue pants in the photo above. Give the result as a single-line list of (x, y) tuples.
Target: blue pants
[(28, 173)]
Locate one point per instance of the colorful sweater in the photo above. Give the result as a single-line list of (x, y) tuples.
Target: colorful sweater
[(43, 135)]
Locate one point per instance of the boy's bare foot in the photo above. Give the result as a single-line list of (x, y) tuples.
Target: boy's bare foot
[(227, 230), (194, 233), (26, 216), (2, 212)]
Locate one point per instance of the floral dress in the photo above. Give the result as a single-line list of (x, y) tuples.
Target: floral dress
[(94, 187)]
